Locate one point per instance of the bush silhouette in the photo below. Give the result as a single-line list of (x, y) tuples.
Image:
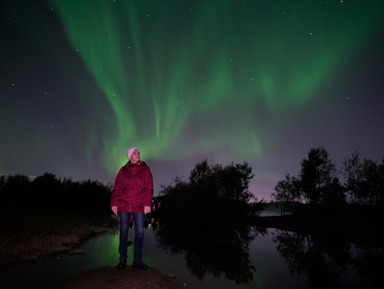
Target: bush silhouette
[(47, 191), (211, 191)]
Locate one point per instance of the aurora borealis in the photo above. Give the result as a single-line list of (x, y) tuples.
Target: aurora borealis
[(230, 81)]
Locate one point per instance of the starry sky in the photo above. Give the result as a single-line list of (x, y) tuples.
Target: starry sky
[(227, 81)]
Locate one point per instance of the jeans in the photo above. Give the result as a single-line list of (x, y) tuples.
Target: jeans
[(138, 219)]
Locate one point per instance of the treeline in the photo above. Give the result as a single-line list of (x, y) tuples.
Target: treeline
[(318, 183), (210, 191), (47, 191)]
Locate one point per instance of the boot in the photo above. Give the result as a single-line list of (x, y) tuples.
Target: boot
[(139, 265), (122, 264)]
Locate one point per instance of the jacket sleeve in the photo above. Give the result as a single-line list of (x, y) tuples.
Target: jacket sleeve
[(148, 188), (117, 188)]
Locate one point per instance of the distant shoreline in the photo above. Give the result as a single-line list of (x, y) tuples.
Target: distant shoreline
[(367, 230)]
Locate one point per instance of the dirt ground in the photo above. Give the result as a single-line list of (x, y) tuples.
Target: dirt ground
[(110, 277)]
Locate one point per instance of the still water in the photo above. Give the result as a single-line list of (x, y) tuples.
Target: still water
[(222, 257)]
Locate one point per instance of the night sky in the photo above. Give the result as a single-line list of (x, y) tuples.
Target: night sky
[(227, 81)]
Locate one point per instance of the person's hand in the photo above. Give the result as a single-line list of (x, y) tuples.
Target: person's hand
[(114, 210), (147, 209)]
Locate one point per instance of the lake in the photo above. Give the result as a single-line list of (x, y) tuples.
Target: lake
[(221, 256)]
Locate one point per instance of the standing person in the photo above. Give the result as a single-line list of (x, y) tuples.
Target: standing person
[(131, 199)]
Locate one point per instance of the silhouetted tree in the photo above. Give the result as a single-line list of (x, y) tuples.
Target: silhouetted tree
[(334, 193), (211, 190), (47, 191), (364, 180), (230, 182), (370, 183), (286, 193), (318, 178), (318, 184), (16, 189), (381, 182), (2, 183), (352, 170)]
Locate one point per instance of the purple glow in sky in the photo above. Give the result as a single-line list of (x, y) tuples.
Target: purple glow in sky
[(227, 81)]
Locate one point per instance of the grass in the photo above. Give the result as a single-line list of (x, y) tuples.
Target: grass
[(28, 234)]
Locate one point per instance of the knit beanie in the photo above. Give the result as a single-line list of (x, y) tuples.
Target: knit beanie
[(130, 151)]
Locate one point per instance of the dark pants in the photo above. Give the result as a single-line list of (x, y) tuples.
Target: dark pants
[(138, 219)]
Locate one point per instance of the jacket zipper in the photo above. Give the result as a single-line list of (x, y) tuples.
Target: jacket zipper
[(130, 201)]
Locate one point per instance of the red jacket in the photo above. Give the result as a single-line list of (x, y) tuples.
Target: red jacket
[(133, 188)]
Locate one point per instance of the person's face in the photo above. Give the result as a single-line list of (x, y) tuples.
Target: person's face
[(135, 156)]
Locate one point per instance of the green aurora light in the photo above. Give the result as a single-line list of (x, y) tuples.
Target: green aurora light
[(175, 73)]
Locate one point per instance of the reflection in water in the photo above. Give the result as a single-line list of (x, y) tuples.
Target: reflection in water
[(231, 253), (330, 262), (209, 247), (47, 273)]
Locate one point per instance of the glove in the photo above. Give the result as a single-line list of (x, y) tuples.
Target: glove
[(147, 210), (114, 210)]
